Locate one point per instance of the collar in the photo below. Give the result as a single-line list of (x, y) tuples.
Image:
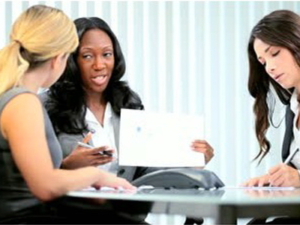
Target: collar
[(89, 116)]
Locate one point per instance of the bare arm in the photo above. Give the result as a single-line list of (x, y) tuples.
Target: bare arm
[(22, 124)]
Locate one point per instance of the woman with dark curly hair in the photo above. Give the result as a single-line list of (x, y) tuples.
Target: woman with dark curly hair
[(89, 97)]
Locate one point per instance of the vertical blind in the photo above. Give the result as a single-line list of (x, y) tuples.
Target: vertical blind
[(187, 57)]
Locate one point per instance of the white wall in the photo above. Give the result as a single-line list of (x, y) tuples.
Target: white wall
[(187, 57)]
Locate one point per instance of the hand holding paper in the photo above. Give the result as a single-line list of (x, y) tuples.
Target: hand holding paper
[(203, 147)]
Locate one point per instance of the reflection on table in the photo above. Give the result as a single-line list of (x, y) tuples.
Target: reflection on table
[(225, 205)]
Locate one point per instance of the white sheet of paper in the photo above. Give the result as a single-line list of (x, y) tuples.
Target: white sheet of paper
[(159, 139)]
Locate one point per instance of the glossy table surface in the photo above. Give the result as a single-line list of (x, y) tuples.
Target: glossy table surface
[(225, 205)]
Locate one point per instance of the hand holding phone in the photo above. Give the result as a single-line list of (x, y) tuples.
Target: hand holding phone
[(104, 152)]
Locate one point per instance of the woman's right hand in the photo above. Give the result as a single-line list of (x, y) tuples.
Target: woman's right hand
[(111, 180), (257, 181), (81, 156)]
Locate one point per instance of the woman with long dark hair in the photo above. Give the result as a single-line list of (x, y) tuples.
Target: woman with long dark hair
[(274, 63), (274, 60)]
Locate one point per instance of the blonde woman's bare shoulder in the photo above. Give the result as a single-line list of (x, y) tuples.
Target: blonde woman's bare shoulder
[(23, 109)]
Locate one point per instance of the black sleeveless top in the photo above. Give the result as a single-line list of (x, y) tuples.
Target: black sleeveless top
[(15, 196)]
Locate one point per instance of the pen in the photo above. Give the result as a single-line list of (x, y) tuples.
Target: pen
[(90, 147), (291, 156)]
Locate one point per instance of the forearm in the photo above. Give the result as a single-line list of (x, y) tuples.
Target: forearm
[(59, 182)]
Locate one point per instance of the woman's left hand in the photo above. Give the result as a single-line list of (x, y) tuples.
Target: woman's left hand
[(283, 175), (203, 147)]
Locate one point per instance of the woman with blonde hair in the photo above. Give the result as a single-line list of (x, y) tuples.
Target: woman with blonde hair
[(30, 155)]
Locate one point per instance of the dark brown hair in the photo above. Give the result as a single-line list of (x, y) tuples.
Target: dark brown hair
[(279, 28)]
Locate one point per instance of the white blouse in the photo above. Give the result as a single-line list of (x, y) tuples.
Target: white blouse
[(104, 135)]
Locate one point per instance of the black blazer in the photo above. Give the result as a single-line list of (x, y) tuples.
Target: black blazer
[(288, 136)]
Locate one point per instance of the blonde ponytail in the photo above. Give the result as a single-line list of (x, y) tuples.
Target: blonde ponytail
[(39, 33), (12, 66)]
